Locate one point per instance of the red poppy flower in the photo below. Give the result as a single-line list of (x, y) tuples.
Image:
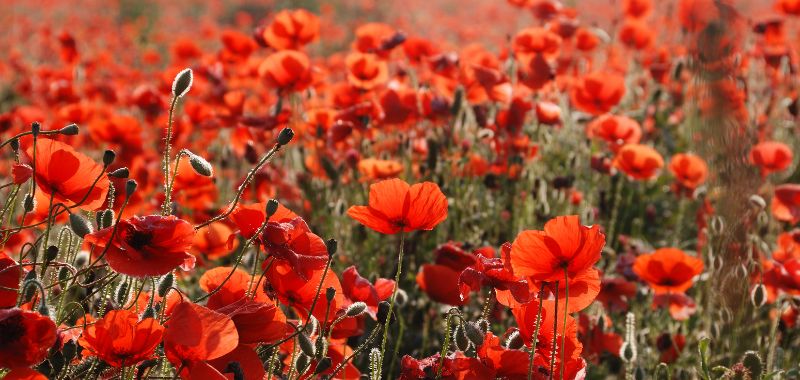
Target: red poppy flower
[(10, 275), (248, 218), (771, 156), (152, 245), (366, 71), (283, 282), (565, 244), (509, 363), (377, 38), (598, 92), (121, 339), (395, 206), (25, 337), (586, 39), (235, 288), (680, 306), (668, 270), (638, 161), (68, 174), (293, 242), (291, 29), (616, 131), (257, 322), (358, 288), (23, 373), (788, 246), (525, 316), (20, 173), (670, 346), (598, 338), (286, 70), (637, 8), (214, 241), (195, 334), (492, 272), (690, 170), (615, 294), (537, 40), (785, 204), (379, 169)]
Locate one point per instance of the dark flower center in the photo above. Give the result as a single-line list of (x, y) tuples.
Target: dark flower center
[(138, 239), (11, 330)]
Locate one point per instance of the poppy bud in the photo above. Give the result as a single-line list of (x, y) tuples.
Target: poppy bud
[(626, 352), (321, 344), (130, 187), (402, 297), (182, 83), (323, 365), (332, 245), (200, 165), (329, 294), (356, 309), (107, 218), (28, 203), (460, 339), (44, 309), (166, 283), (120, 173), (35, 128), (14, 143), (757, 202), (236, 369), (483, 324), (81, 259), (69, 350), (121, 295), (272, 207), (108, 157), (302, 363), (51, 253), (514, 341), (149, 312), (473, 332), (57, 361), (285, 136), (69, 130), (306, 345), (383, 313), (63, 274), (753, 363), (758, 296)]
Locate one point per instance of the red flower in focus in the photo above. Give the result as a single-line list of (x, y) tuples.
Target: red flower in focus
[(121, 339), (492, 272), (293, 242), (440, 280), (25, 337), (20, 173), (395, 206), (668, 270), (248, 218), (639, 162), (152, 245), (785, 204), (68, 175), (598, 92), (771, 156), (358, 288)]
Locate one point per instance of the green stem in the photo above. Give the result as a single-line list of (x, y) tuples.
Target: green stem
[(165, 208), (394, 296), (564, 333), (535, 338)]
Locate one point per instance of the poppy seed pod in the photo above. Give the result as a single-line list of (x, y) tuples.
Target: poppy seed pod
[(200, 165), (332, 245), (272, 207), (108, 157), (79, 225), (286, 136), (182, 83), (356, 309), (69, 130), (329, 294), (35, 128), (120, 173), (165, 284), (130, 187), (757, 202), (473, 332), (306, 345)]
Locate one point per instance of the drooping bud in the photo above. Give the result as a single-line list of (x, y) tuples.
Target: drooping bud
[(272, 207), (323, 365), (285, 136), (14, 144), (383, 313), (306, 345), (757, 202), (460, 339), (200, 165), (108, 157), (515, 341), (130, 187), (302, 363), (28, 204), (121, 295), (182, 83), (356, 309), (120, 173), (165, 284), (149, 312), (473, 332), (69, 130), (752, 362), (51, 253)]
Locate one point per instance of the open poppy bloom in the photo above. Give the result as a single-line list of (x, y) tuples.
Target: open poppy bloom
[(537, 40), (785, 204), (286, 70), (372, 168), (771, 156), (366, 71), (249, 217), (67, 175), (10, 274), (616, 131), (689, 170), (358, 288), (121, 339), (668, 270), (151, 245), (638, 161), (440, 279), (492, 272), (291, 29), (395, 206), (195, 334), (598, 92), (25, 337), (293, 242)]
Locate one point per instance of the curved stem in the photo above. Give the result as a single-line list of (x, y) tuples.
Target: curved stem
[(166, 207)]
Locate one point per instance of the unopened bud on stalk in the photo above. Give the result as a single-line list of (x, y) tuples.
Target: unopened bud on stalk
[(329, 294), (166, 283), (200, 165), (69, 130), (28, 204), (356, 309), (149, 312), (182, 83), (63, 274), (107, 218), (402, 298), (108, 157), (285, 136), (483, 324), (44, 309), (332, 245), (306, 345), (120, 173), (272, 207), (383, 313), (515, 341), (753, 363), (717, 225), (757, 202), (323, 365), (14, 144), (758, 296), (473, 332), (460, 339), (121, 295), (35, 128), (51, 253), (302, 363), (130, 187)]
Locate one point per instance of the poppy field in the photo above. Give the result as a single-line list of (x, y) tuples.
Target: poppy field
[(348, 189)]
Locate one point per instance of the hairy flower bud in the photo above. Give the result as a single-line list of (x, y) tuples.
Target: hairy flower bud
[(474, 333), (306, 345), (120, 173), (285, 136), (200, 165), (182, 83), (108, 157), (272, 207), (356, 309), (69, 130)]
